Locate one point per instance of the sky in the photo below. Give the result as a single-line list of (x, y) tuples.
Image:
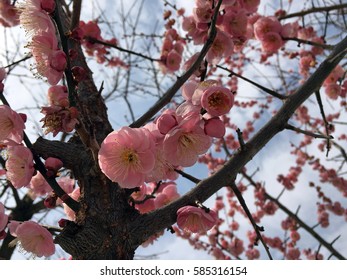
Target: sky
[(269, 159)]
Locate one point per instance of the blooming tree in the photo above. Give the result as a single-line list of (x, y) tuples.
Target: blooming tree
[(203, 89)]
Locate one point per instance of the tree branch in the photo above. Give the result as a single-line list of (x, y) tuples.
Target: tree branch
[(164, 217)]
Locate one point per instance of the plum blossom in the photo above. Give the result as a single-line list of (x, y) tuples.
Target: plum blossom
[(58, 96), (168, 194), (50, 60), (185, 142), (58, 119), (19, 166), (11, 126), (217, 100), (39, 185), (222, 46), (126, 156), (34, 16), (33, 237), (214, 127), (196, 220), (75, 194)]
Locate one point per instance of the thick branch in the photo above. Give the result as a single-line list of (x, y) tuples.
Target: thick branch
[(164, 217)]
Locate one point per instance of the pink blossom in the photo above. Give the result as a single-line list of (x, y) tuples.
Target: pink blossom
[(33, 238), (190, 62), (293, 254), (50, 60), (67, 184), (250, 5), (58, 119), (168, 194), (252, 254), (53, 165), (265, 25), (188, 89), (332, 91), (163, 169), (19, 166), (166, 121), (217, 100), (235, 22), (58, 95), (34, 19), (183, 144), (3, 217), (203, 13), (39, 185), (173, 61), (11, 126), (222, 47), (236, 247), (271, 42), (71, 215), (214, 127), (126, 156), (196, 220), (199, 90)]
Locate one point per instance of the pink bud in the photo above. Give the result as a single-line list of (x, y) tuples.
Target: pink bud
[(50, 201), (62, 223), (166, 122), (23, 117), (53, 164), (58, 60), (214, 127), (48, 5)]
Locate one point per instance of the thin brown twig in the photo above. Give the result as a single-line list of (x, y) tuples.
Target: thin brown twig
[(309, 133), (314, 10)]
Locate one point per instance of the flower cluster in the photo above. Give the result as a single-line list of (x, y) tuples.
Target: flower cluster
[(36, 20), (171, 51), (86, 32), (334, 85), (132, 156), (33, 237), (59, 117)]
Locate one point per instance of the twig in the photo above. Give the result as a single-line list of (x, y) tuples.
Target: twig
[(326, 124), (250, 217), (315, 44), (241, 140), (309, 133), (314, 10), (93, 40), (267, 90)]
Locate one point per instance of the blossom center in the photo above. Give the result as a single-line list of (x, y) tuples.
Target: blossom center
[(186, 141), (216, 99), (130, 157)]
